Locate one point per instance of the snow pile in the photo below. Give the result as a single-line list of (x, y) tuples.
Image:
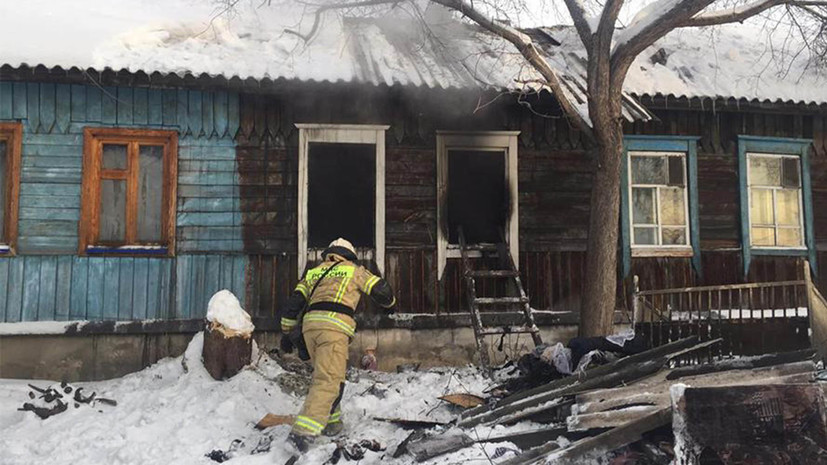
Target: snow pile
[(225, 310), (682, 446), (169, 415)]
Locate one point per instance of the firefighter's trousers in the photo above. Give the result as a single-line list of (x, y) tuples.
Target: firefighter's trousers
[(328, 351)]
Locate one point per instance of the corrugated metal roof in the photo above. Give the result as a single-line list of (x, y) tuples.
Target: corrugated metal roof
[(733, 61), (440, 52)]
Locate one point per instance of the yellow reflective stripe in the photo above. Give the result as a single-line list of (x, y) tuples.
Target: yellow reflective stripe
[(302, 289), (340, 294), (309, 424), (371, 282), (335, 418), (288, 322), (331, 318), (393, 302)]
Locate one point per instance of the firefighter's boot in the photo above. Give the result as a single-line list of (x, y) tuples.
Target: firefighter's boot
[(300, 442), (334, 425)]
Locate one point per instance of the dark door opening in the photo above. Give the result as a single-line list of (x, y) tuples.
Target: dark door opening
[(341, 198), (477, 195)]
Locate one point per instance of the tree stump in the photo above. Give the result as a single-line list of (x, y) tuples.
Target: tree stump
[(226, 351)]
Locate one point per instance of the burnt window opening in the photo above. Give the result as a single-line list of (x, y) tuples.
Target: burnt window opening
[(341, 194), (477, 196)]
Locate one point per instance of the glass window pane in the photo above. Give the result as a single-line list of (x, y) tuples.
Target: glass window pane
[(764, 171), (762, 236), (672, 208), (760, 210), (114, 157), (786, 206), (674, 236), (113, 211), (645, 236), (150, 193), (789, 237), (643, 205), (676, 169), (791, 173), (3, 184), (649, 170)]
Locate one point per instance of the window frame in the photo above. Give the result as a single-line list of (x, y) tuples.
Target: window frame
[(774, 189), (645, 249), (12, 134), (505, 141), (776, 146), (341, 134), (93, 140), (688, 145)]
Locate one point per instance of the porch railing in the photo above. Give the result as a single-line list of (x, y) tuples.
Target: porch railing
[(751, 319)]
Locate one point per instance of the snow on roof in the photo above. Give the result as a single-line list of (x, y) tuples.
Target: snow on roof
[(732, 61), (188, 37)]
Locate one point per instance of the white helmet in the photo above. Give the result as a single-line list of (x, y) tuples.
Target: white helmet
[(344, 243)]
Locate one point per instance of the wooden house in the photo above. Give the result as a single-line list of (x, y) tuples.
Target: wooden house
[(131, 196)]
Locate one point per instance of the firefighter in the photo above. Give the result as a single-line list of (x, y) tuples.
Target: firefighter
[(330, 293)]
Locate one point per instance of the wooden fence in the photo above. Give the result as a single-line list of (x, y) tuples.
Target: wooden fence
[(751, 319)]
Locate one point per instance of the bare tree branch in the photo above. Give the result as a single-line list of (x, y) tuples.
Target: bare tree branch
[(529, 51), (336, 6), (599, 65), (816, 13), (625, 52), (578, 16), (733, 15)]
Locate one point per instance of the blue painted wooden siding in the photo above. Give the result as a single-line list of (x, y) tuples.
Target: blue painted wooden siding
[(63, 287), (54, 117), (46, 281)]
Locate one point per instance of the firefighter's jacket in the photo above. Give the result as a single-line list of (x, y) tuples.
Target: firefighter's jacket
[(333, 303)]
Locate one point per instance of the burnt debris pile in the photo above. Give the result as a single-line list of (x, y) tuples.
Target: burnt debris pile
[(668, 404), (56, 399)]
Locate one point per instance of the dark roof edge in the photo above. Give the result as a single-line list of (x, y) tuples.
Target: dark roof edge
[(124, 77)]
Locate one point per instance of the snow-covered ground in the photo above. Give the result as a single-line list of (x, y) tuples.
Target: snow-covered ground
[(169, 415)]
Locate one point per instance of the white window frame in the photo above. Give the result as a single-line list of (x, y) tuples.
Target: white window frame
[(505, 141), (643, 250), (342, 134), (775, 225)]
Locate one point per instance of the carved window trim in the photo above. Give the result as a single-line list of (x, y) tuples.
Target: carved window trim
[(12, 135), (93, 173)]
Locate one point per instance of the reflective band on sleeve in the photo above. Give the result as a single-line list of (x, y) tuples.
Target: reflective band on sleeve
[(335, 417), (288, 322), (301, 288), (309, 424), (371, 282), (332, 319)]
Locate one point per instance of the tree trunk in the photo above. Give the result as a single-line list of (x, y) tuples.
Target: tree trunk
[(600, 286), (226, 352)]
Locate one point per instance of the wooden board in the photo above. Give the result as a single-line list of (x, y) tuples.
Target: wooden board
[(769, 423)]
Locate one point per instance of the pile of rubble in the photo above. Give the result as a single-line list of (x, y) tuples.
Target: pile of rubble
[(644, 409)]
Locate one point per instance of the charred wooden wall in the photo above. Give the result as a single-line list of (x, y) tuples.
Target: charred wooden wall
[(554, 182)]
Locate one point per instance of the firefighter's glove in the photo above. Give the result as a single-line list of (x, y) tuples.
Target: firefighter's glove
[(391, 310), (286, 345)]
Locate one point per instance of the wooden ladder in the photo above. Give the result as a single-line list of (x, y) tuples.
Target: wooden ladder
[(509, 272)]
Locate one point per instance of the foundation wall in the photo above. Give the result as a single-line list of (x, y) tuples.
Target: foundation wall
[(98, 357)]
